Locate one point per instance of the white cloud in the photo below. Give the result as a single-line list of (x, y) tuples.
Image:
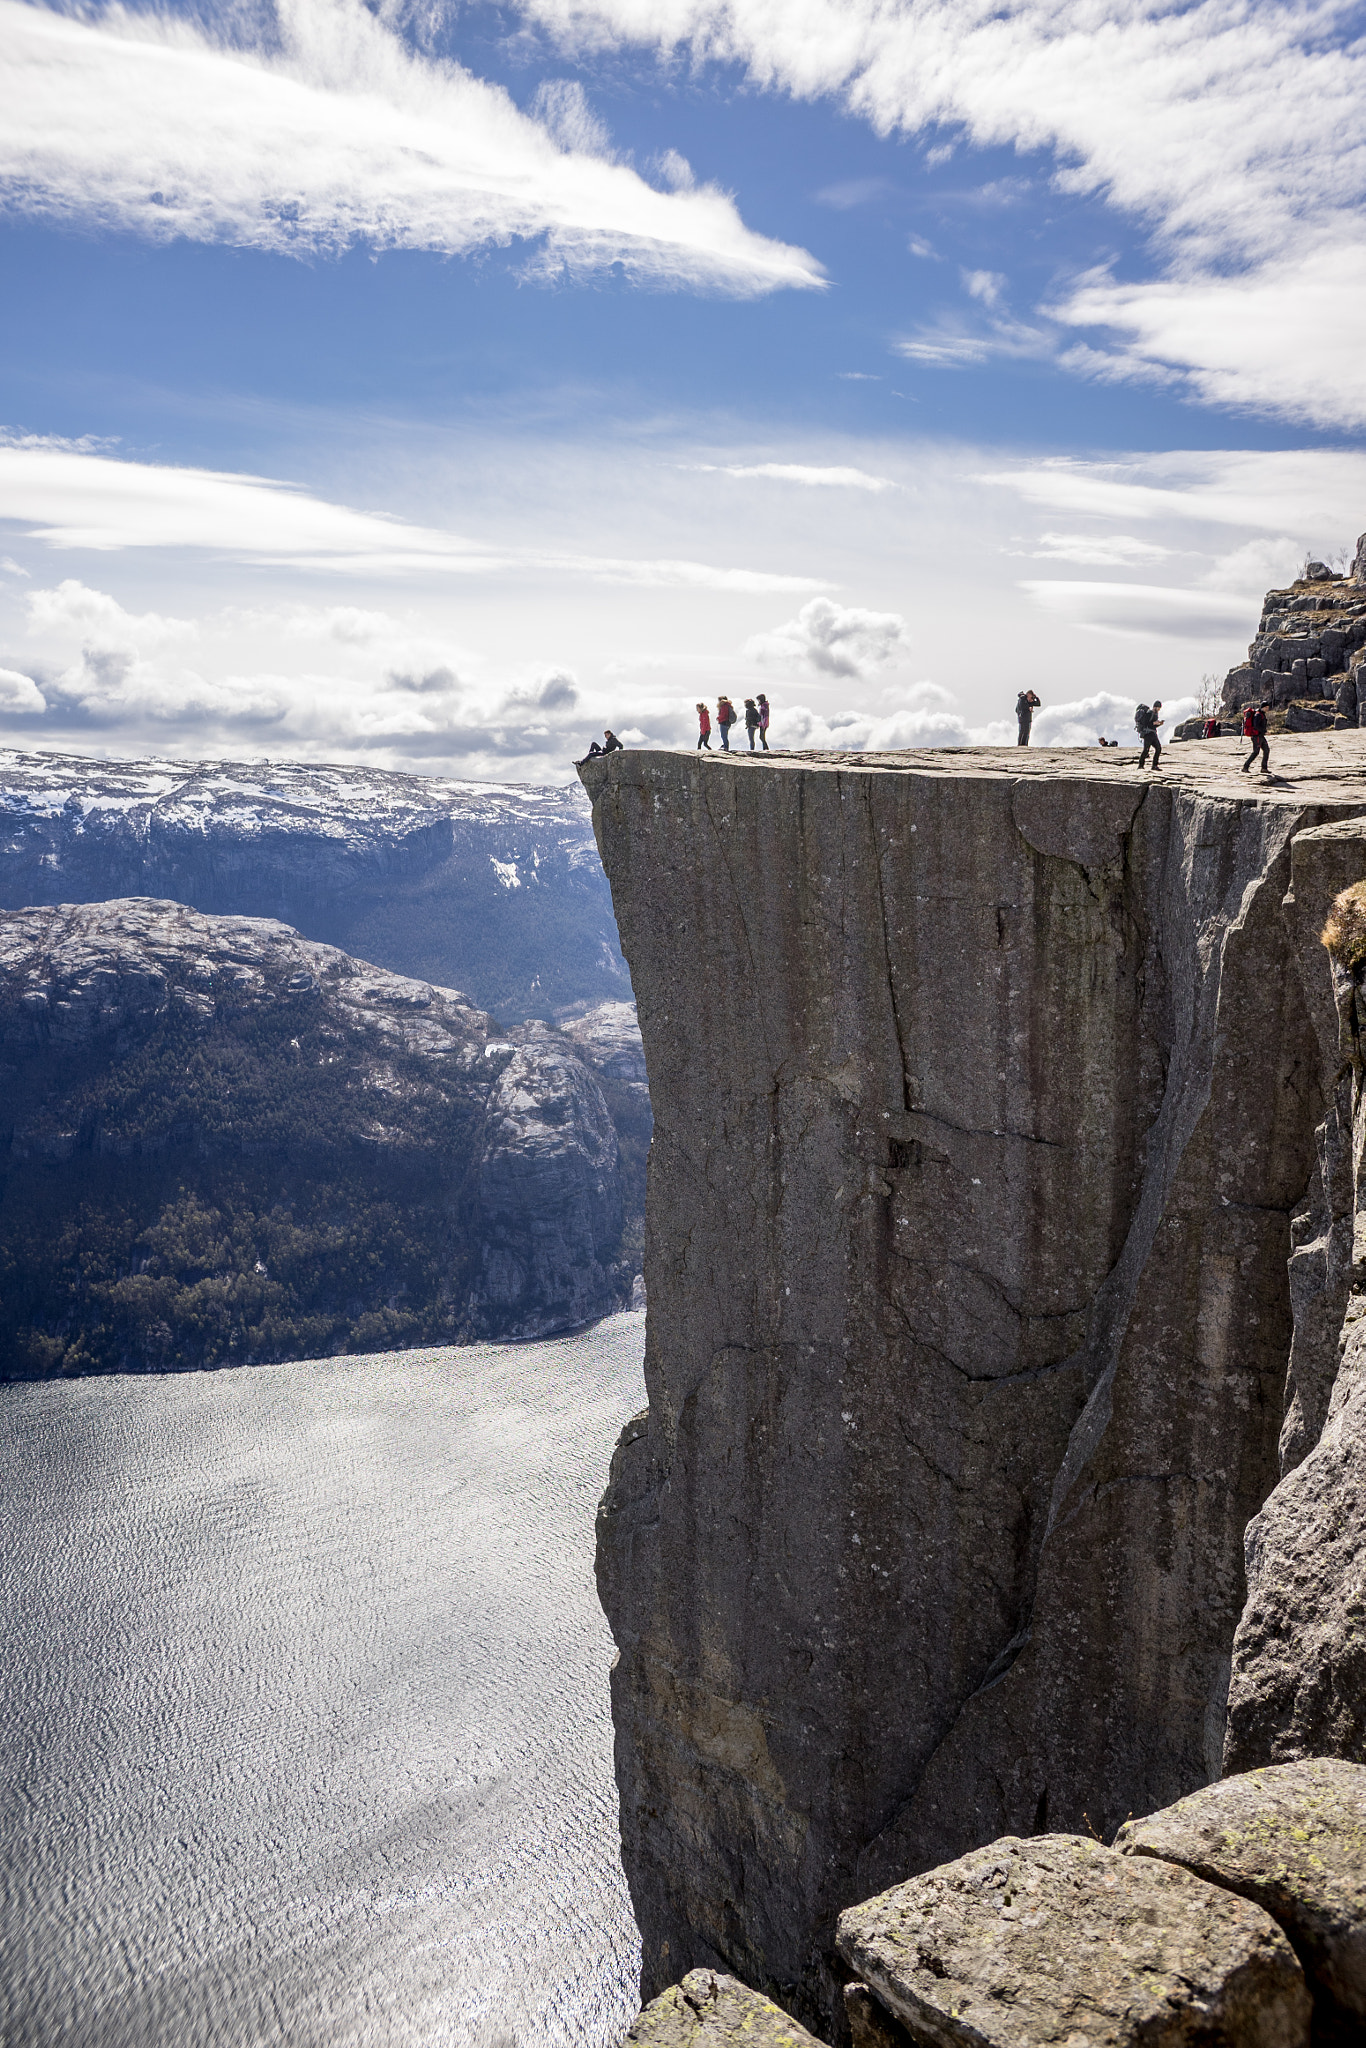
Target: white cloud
[(1145, 610), (327, 131), (74, 609), (831, 639), (69, 499), (19, 692), (1227, 131), (1096, 550), (1256, 567), (837, 477)]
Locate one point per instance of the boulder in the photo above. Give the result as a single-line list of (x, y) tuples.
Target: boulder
[(1309, 718), (1316, 572), (708, 2010), (1345, 698), (1358, 570), (1056, 1939), (1293, 1839)]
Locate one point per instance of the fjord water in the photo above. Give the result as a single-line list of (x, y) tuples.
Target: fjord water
[(303, 1704)]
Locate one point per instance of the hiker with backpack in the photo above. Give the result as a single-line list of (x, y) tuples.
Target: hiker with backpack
[(1147, 718), (725, 718), (1254, 729)]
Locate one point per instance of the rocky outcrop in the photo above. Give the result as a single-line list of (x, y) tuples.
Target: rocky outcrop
[(220, 1141), (986, 1094), (1310, 645), (711, 2011), (1293, 1840), (494, 888), (1029, 1943)]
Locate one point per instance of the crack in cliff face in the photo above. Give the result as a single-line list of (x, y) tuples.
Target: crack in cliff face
[(974, 1096)]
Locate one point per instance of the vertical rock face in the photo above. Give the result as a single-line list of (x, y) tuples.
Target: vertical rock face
[(984, 1092)]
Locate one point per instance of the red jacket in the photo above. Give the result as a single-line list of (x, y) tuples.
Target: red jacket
[(725, 711), (704, 721)]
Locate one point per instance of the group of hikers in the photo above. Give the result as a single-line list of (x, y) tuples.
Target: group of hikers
[(756, 721), (1147, 719)]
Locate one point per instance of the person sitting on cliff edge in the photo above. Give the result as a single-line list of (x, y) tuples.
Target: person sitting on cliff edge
[(1026, 704), (1147, 718), (611, 745)]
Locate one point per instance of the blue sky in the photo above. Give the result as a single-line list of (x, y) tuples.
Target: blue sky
[(436, 385)]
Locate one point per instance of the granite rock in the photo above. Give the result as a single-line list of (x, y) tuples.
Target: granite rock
[(711, 2010), (969, 1309), (1027, 1944), (1292, 1839)]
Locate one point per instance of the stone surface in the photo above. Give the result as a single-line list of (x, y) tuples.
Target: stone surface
[(494, 888), (220, 1141), (1025, 1944), (870, 2024), (1293, 1839), (986, 1087), (1298, 1685), (711, 2010)]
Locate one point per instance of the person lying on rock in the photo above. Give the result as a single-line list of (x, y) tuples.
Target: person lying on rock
[(1254, 729), (1026, 704), (1147, 718)]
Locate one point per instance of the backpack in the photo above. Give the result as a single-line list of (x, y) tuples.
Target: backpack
[(1143, 718)]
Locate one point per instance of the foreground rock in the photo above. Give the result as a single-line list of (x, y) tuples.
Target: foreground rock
[(1029, 1943), (220, 1142), (987, 1090), (495, 888), (1294, 1840), (711, 2011)]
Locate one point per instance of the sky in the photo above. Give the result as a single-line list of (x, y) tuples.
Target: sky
[(434, 385)]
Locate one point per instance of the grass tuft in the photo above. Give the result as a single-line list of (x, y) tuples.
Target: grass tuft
[(1345, 932)]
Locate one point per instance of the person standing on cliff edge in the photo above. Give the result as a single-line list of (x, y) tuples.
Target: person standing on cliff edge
[(1026, 704), (1147, 718), (703, 727)]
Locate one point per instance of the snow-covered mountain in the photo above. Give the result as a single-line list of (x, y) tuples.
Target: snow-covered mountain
[(493, 888)]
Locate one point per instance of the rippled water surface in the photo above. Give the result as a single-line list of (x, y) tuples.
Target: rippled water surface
[(303, 1704)]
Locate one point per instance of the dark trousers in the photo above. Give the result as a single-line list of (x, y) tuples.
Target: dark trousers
[(751, 730), (763, 739), (704, 740), (1151, 741), (1259, 746), (1025, 723)]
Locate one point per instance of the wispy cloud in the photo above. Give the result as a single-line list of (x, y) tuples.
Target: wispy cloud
[(1317, 492), (1148, 611), (329, 131), (1095, 550), (1226, 131), (837, 476), (71, 500)]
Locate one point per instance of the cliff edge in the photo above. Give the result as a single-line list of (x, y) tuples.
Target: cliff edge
[(987, 1087)]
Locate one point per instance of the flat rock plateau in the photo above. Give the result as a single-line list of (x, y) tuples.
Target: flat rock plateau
[(1001, 1230)]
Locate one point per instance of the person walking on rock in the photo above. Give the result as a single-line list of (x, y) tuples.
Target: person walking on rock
[(751, 720), (704, 727), (763, 721), (1147, 718), (1254, 729), (725, 718), (1026, 704)]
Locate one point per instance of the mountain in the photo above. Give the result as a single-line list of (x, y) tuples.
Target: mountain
[(494, 888), (222, 1143)]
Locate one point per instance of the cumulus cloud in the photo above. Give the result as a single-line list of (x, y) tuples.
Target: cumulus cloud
[(68, 498), (835, 476), (1226, 131), (327, 130), (831, 639), (20, 692)]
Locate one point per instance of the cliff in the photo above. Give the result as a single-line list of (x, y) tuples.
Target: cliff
[(220, 1142), (493, 888), (991, 1092)]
